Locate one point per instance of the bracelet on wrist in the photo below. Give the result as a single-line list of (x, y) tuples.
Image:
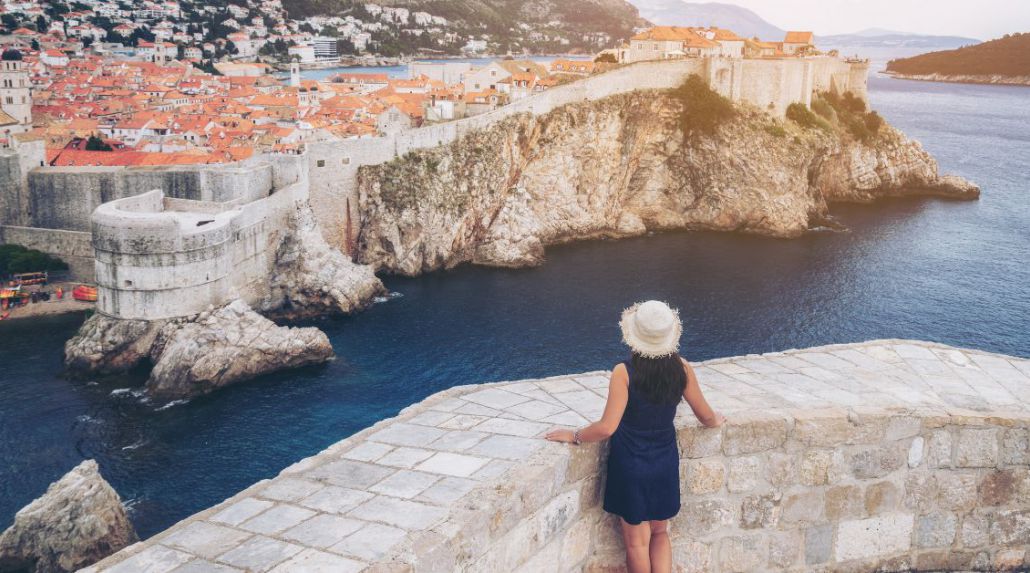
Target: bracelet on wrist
[(575, 437)]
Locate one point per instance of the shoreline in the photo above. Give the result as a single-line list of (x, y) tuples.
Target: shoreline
[(989, 80), (51, 307)]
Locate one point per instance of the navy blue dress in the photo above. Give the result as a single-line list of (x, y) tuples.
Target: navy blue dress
[(643, 464)]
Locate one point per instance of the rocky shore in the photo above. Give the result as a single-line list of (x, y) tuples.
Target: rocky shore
[(77, 522), (995, 79), (620, 167)]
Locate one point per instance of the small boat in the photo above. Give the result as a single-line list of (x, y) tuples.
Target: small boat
[(5, 315), (85, 293)]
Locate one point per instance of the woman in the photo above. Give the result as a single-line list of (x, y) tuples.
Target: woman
[(643, 466)]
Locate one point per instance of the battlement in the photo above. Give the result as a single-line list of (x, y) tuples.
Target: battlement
[(894, 454)]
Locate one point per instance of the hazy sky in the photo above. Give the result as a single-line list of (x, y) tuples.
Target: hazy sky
[(984, 19)]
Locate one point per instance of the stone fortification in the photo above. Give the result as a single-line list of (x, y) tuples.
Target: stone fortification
[(768, 84), (892, 455), (177, 281)]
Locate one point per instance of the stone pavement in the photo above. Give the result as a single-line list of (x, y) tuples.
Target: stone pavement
[(389, 497)]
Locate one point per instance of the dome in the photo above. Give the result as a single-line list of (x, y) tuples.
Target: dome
[(11, 55)]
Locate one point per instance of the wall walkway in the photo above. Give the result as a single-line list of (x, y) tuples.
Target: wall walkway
[(891, 453)]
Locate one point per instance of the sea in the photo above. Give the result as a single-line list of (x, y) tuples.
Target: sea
[(945, 271)]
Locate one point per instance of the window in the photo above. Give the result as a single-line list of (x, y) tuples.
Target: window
[(346, 161), (320, 163)]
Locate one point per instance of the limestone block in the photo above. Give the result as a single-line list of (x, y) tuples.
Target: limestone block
[(881, 497), (844, 501), (703, 476), (815, 466), (1010, 560), (804, 506), (699, 442), (785, 549), (1000, 487), (752, 433), (936, 529), (1015, 446), (743, 554), (692, 556), (780, 469), (701, 517), (975, 531), (920, 491), (957, 490), (902, 427), (1011, 527), (938, 449), (877, 461), (915, 452), (976, 448), (818, 544), (760, 511), (877, 536), (944, 560), (744, 473), (575, 546)]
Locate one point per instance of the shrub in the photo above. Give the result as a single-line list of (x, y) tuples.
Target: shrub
[(823, 108), (703, 109), (775, 130), (18, 259), (873, 122), (801, 115), (607, 58)]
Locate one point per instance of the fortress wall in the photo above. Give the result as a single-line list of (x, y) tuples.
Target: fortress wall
[(65, 197), (884, 455), (162, 257), (72, 247), (15, 165)]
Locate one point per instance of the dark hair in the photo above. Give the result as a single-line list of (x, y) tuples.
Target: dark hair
[(660, 380)]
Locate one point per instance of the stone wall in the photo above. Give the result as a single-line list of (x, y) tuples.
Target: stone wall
[(65, 197), (885, 455), (768, 84), (72, 247)]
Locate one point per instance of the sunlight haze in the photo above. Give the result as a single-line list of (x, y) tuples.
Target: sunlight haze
[(985, 19)]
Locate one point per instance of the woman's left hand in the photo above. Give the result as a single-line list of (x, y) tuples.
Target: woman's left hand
[(561, 435)]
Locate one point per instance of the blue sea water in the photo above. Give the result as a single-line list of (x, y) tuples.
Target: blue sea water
[(954, 272)]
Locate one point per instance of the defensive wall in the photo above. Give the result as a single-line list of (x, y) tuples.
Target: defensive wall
[(885, 455), (162, 257), (770, 84)]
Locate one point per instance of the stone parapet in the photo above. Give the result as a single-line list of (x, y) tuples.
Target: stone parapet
[(896, 454)]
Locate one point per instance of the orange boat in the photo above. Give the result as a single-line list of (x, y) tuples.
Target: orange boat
[(85, 293)]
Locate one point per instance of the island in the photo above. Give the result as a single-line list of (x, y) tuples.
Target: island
[(1002, 61)]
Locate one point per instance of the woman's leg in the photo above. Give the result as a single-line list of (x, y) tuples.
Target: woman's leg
[(660, 547), (638, 542)]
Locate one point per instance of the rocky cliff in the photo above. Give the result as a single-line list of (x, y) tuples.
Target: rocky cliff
[(79, 521), (623, 166)]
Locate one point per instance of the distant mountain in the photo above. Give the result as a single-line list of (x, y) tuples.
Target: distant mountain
[(879, 38), (516, 25), (679, 13), (1007, 57)]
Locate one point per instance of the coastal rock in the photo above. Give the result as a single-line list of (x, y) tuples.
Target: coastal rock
[(77, 522), (105, 345), (311, 278), (618, 167), (225, 346)]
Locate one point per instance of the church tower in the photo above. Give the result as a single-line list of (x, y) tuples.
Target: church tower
[(15, 89), (295, 74)]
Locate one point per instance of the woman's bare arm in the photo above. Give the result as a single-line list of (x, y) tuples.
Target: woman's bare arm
[(618, 397), (692, 394)]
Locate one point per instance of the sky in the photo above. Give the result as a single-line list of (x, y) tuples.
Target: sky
[(983, 19)]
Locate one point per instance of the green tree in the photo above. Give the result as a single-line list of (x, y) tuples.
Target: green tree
[(94, 143)]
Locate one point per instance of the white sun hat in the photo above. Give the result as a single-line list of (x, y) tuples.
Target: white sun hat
[(652, 329)]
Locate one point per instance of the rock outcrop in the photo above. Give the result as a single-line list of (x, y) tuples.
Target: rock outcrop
[(618, 167), (77, 522), (311, 278), (225, 346), (195, 355)]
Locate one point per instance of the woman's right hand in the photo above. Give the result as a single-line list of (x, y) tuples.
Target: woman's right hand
[(719, 420)]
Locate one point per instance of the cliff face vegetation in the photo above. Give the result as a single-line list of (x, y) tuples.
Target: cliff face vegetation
[(623, 166)]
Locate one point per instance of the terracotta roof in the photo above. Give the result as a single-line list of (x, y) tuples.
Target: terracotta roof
[(798, 38)]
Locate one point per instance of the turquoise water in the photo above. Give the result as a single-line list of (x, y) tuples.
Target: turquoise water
[(954, 272)]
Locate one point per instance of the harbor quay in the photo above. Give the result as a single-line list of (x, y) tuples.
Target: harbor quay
[(895, 454)]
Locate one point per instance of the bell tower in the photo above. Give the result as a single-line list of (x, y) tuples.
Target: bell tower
[(16, 89)]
